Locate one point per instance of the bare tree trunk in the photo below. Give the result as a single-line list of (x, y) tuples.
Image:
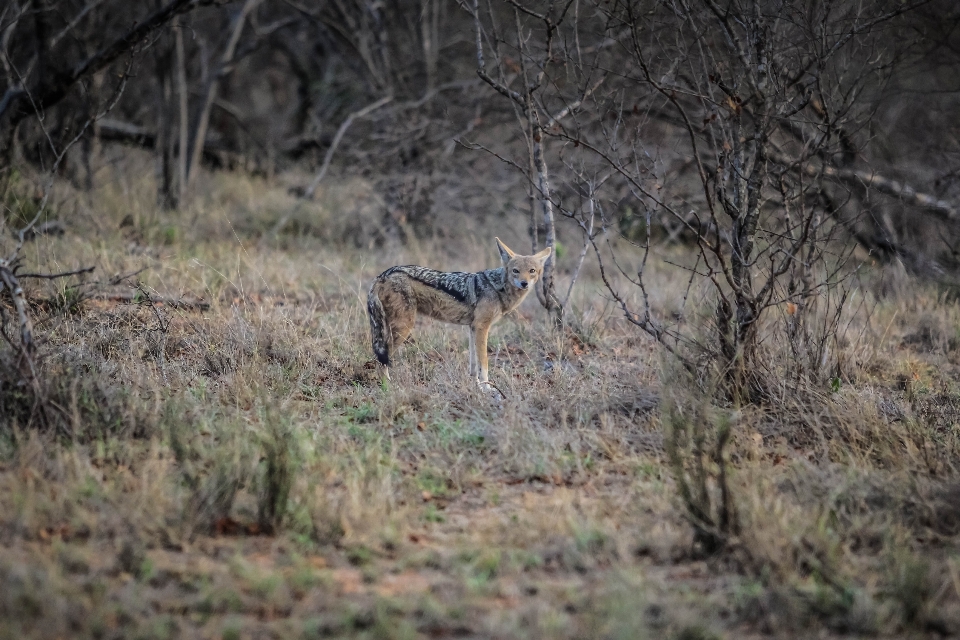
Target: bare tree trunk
[(588, 232), (534, 204), (9, 280), (184, 120), (203, 119), (86, 147), (550, 301), (430, 34), (164, 141)]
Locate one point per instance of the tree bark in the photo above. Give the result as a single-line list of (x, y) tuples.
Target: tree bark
[(550, 301), (164, 141), (184, 120)]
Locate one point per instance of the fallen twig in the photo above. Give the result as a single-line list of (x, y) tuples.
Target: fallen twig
[(136, 297), (50, 228), (54, 276)]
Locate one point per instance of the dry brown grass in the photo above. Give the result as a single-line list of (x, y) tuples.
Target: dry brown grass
[(239, 471)]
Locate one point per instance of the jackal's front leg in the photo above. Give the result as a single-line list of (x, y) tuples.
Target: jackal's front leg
[(480, 344)]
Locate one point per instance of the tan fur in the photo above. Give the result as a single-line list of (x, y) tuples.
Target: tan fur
[(477, 300)]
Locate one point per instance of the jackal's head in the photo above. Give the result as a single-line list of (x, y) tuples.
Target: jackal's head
[(522, 272)]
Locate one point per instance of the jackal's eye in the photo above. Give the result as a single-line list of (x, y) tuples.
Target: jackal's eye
[(516, 270), (533, 270)]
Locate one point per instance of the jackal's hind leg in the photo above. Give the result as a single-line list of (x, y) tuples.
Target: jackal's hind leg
[(401, 315), (401, 325), (472, 349)]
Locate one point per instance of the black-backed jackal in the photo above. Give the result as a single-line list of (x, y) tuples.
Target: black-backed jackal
[(473, 299)]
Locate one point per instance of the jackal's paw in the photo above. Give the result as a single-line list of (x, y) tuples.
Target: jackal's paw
[(488, 387)]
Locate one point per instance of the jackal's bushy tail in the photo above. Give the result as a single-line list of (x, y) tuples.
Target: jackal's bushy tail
[(379, 330)]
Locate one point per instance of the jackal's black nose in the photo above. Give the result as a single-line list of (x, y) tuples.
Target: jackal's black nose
[(524, 284)]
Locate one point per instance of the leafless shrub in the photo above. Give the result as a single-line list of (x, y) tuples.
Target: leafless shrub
[(768, 110)]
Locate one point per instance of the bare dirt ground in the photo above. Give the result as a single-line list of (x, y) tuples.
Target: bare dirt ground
[(232, 466)]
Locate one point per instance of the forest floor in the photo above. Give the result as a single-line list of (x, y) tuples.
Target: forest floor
[(222, 460)]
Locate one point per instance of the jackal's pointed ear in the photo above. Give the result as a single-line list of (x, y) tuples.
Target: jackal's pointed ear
[(505, 252), (543, 255)]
